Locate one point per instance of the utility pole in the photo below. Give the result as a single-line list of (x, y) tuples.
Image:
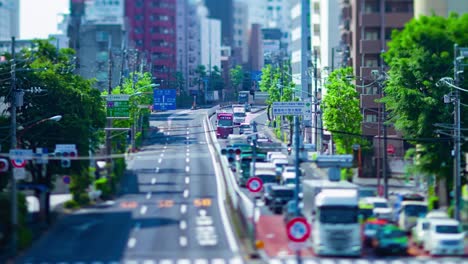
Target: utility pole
[(315, 103), (14, 190), (304, 45), (109, 120), (384, 130), (457, 145), (296, 178)]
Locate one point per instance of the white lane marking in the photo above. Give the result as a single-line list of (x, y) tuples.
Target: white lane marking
[(153, 180), (187, 168), (137, 226), (131, 242), (222, 209), (236, 260), (187, 180), (188, 132), (168, 133), (183, 225), (159, 160), (183, 209), (217, 261), (149, 261), (165, 147), (188, 154), (143, 209), (165, 261), (187, 160), (188, 138), (183, 241), (202, 212), (148, 195), (162, 155), (156, 169), (186, 193), (188, 150)]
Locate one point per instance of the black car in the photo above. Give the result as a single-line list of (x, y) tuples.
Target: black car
[(267, 192), (280, 195)]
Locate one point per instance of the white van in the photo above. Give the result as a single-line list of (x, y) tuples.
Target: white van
[(444, 237), (418, 232), (409, 213)]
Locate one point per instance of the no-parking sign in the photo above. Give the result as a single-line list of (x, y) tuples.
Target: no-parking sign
[(254, 184), (298, 229)]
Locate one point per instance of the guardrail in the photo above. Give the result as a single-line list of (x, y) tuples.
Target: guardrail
[(239, 201)]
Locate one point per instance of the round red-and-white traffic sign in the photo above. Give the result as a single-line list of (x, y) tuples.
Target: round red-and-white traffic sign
[(254, 184), (298, 229), (18, 163)]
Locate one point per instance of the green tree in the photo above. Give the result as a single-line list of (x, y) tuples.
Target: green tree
[(69, 95), (201, 72), (237, 78), (341, 113), (180, 81), (419, 56), (216, 80)]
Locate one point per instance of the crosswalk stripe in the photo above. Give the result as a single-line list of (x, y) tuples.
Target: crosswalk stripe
[(362, 261), (183, 261), (397, 262), (236, 260), (380, 262), (345, 261), (275, 261), (165, 261), (217, 261), (310, 261), (200, 261), (149, 261)]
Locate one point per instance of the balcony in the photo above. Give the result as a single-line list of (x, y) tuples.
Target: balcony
[(369, 100), (346, 13), (346, 37), (370, 46), (370, 128), (344, 25), (370, 20), (397, 20), (344, 2)]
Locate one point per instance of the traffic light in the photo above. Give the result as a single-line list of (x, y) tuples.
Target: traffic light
[(3, 165), (65, 156)]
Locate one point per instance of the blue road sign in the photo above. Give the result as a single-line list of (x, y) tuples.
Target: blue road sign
[(256, 75), (164, 99), (66, 179)]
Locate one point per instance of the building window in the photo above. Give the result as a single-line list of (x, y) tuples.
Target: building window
[(139, 3), (317, 8), (139, 17), (102, 36), (316, 30), (371, 7), (371, 118), (138, 30), (371, 62), (372, 34), (139, 42)]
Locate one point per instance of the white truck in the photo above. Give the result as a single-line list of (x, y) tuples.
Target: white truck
[(333, 213), (239, 114)]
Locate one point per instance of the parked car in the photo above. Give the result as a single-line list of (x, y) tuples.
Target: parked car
[(390, 239), (370, 230), (444, 237), (280, 196), (418, 232), (289, 210)]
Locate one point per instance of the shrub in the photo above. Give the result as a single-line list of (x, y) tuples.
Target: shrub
[(433, 203), (71, 204), (83, 199), (102, 184), (25, 237)]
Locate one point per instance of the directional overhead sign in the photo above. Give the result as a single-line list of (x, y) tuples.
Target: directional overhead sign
[(164, 99), (117, 105), (289, 108)]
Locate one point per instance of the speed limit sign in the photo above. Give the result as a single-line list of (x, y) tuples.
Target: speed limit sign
[(254, 184)]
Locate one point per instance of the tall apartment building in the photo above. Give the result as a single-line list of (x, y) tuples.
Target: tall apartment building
[(325, 21), (439, 7), (96, 30), (241, 33), (9, 19), (366, 27), (224, 12), (153, 31)]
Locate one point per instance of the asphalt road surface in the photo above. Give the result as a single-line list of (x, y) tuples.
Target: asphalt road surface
[(168, 212)]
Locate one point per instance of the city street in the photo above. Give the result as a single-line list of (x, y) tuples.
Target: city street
[(169, 211)]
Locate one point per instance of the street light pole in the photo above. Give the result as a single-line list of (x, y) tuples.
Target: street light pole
[(457, 145)]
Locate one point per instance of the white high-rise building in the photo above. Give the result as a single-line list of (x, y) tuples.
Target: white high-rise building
[(9, 19)]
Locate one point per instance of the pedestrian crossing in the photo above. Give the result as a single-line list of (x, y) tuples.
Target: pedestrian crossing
[(369, 261), (291, 260), (235, 260)]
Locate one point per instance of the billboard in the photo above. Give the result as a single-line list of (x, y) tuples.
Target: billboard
[(104, 12)]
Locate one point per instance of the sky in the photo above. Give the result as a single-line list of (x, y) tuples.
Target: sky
[(39, 18)]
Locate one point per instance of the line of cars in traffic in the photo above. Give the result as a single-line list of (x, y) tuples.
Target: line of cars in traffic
[(393, 231)]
